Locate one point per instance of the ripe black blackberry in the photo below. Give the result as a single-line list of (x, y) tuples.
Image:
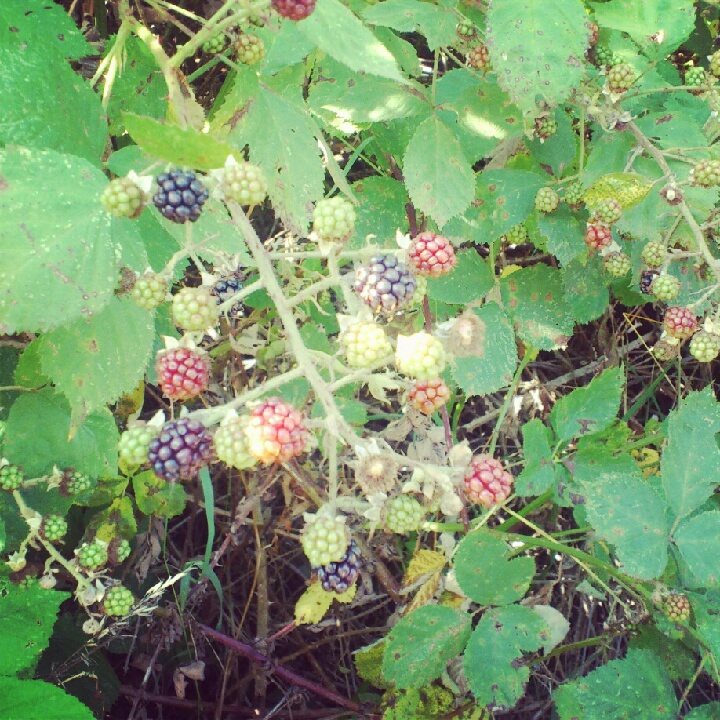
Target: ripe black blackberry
[(385, 284), (181, 450), (646, 280), (224, 289), (181, 196), (339, 576)]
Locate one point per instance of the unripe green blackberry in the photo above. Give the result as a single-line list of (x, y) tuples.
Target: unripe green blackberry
[(608, 211), (216, 44), (605, 56), (545, 127), (479, 58), (677, 607), (404, 514), (516, 235), (621, 77), (150, 291), (74, 483), (715, 63), (325, 540), (133, 444), (11, 477), (704, 346), (195, 309), (574, 195), (466, 30), (54, 528), (546, 200), (334, 219), (232, 442), (365, 344), (118, 551), (92, 555), (654, 253), (244, 183), (250, 49), (706, 173), (696, 77), (665, 351), (665, 287), (123, 198), (118, 601), (617, 264), (420, 356)]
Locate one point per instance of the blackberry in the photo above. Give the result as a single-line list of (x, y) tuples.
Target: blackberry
[(431, 255), (183, 373), (54, 528), (546, 200), (574, 195), (604, 55), (646, 280), (334, 219), (294, 9), (517, 234), (654, 253), (339, 576), (617, 264), (118, 551), (680, 322), (224, 289), (150, 290), (479, 58), (194, 309), (325, 539), (11, 477), (706, 173), (466, 30), (404, 514), (696, 77), (250, 49), (677, 607), (123, 198), (74, 483), (216, 44), (665, 287), (118, 601), (545, 127), (665, 351), (715, 63), (621, 77), (133, 444), (180, 197), (608, 211), (244, 182), (704, 346), (232, 442), (92, 555), (385, 284), (181, 449)]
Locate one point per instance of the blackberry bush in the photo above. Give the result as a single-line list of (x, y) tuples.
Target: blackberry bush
[(181, 449), (180, 196)]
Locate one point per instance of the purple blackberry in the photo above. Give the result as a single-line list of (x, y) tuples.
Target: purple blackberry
[(180, 197), (339, 576), (181, 449), (385, 284), (224, 289), (646, 280)]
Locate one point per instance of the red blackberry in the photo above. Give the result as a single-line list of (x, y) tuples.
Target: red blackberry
[(597, 236), (276, 432), (487, 483), (183, 373), (181, 449), (680, 322), (432, 255), (180, 197), (339, 576), (427, 396), (385, 284), (294, 9)]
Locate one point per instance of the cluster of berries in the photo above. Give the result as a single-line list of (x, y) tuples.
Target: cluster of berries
[(598, 232)]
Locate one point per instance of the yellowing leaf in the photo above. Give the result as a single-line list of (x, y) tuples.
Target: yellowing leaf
[(425, 593), (628, 188), (423, 563), (310, 609)]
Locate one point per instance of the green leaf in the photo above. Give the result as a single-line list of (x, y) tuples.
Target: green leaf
[(711, 711), (182, 146), (380, 210), (289, 48), (419, 647), (537, 49), (637, 687), (94, 361), (470, 280), (565, 233), (436, 22), (30, 699), (282, 140), (589, 409), (43, 26), (629, 514), (57, 260), (439, 179), (118, 520), (335, 29), (698, 540), (27, 616), (706, 611), (558, 151), (535, 297), (486, 573), (504, 198), (45, 104), (493, 368), (673, 129), (658, 27), (139, 88), (689, 478), (538, 475), (155, 496), (678, 658), (491, 665), (585, 290), (38, 437)]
